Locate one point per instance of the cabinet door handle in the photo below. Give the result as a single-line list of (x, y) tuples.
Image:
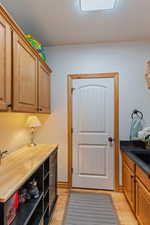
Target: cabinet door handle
[(40, 109), (9, 105)]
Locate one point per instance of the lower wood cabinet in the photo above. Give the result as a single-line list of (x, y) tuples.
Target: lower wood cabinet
[(129, 185), (142, 204), (137, 190)]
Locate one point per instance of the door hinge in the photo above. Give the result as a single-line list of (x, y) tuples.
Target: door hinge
[(72, 170), (72, 89), (72, 130)]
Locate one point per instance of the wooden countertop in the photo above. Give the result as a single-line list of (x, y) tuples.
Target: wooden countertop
[(17, 167)]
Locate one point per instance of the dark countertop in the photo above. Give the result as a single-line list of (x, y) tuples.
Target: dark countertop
[(137, 152)]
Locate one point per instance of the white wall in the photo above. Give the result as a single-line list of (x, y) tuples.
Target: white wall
[(127, 58), (13, 133)]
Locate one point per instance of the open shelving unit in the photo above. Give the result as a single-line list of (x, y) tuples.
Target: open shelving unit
[(37, 211), (25, 213)]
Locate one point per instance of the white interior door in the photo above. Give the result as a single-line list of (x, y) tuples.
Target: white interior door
[(93, 124)]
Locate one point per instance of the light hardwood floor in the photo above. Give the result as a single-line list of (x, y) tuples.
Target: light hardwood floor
[(124, 212)]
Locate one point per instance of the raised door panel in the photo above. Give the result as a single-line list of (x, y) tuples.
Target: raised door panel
[(25, 77), (129, 185), (5, 65), (44, 89), (142, 204), (143, 177)]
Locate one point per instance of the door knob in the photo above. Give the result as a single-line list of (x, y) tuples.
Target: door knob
[(8, 105), (110, 139)]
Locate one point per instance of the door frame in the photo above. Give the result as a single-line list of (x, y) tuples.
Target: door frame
[(71, 77)]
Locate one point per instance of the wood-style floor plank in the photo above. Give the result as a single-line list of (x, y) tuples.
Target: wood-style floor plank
[(124, 212)]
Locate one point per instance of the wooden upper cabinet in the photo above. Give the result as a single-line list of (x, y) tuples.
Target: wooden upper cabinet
[(43, 89), (24, 76), (5, 65)]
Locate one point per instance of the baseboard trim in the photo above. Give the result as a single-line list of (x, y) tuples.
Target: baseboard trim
[(62, 184), (65, 185)]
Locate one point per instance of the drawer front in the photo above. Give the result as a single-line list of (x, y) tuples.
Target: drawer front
[(143, 177), (129, 162)]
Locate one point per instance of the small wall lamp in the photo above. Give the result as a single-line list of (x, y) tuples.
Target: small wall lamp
[(33, 123)]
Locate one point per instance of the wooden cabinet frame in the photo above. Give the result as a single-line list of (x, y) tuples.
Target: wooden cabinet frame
[(5, 66)]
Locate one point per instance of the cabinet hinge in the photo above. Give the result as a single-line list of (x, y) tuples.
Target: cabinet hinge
[(71, 170), (72, 130)]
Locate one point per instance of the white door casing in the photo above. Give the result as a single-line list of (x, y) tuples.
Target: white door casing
[(93, 123)]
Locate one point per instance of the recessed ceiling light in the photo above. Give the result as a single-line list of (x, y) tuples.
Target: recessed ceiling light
[(93, 5)]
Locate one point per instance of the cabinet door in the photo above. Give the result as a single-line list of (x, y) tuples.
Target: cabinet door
[(5, 65), (24, 77), (142, 204), (44, 90), (129, 185)]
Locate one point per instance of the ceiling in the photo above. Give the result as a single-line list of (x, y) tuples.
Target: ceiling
[(59, 22)]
